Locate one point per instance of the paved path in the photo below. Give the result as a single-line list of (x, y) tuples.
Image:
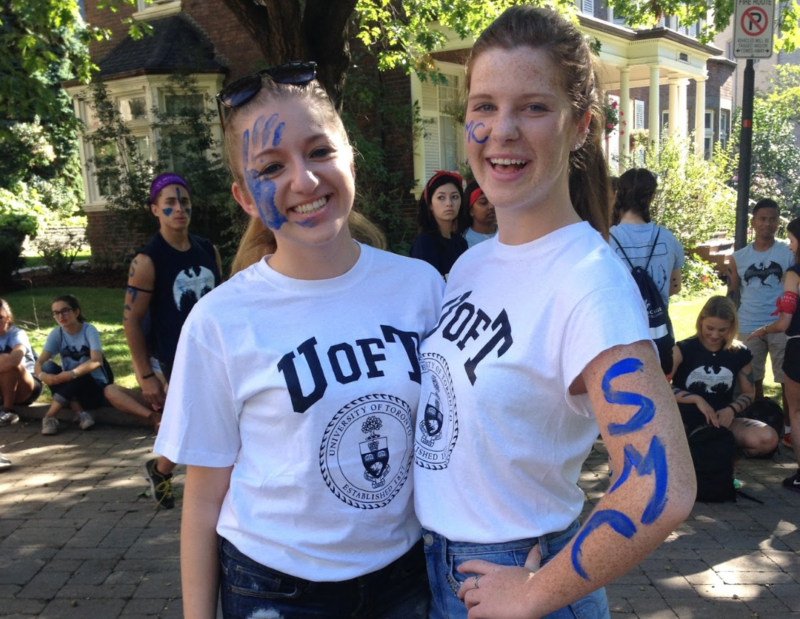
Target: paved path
[(77, 539)]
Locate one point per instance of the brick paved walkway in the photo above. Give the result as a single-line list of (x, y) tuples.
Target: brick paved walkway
[(77, 539)]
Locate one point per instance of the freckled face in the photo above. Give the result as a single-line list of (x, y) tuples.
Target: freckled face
[(714, 332), (523, 128), (445, 203), (173, 207), (298, 172)]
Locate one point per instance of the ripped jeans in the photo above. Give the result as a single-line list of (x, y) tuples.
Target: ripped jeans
[(444, 556), (250, 590)]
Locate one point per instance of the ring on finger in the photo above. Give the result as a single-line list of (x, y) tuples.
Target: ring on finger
[(476, 580)]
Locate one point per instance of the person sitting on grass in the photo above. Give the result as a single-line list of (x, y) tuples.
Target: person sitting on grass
[(706, 369), (80, 381), (18, 385)]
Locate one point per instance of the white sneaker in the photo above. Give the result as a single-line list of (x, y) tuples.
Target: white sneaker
[(5, 463), (7, 418), (49, 425), (85, 420)]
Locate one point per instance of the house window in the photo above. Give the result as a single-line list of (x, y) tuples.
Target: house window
[(143, 5), (155, 9), (708, 138), (182, 104), (133, 108), (724, 117), (443, 140), (665, 121), (638, 117)]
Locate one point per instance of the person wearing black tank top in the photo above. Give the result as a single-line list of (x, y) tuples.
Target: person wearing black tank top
[(789, 321), (166, 279)]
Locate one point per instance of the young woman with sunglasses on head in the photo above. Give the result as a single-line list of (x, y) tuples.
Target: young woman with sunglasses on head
[(542, 341), (293, 393), (441, 221), (79, 382), (18, 385)]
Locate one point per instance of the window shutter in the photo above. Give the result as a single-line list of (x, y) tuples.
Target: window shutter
[(639, 115), (431, 156), (588, 6)]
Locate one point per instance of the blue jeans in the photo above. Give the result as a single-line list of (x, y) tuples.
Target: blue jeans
[(86, 389), (444, 556), (249, 589)]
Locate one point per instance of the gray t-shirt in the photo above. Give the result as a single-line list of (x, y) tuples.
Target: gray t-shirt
[(473, 238), (75, 349), (760, 276), (13, 338), (637, 240)]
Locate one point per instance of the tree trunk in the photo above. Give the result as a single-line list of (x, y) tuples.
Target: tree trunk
[(288, 30)]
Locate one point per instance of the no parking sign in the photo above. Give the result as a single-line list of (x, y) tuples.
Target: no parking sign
[(753, 28)]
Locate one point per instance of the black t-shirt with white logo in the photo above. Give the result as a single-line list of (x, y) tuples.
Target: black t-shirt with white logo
[(711, 375)]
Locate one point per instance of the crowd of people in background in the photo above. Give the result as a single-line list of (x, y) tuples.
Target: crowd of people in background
[(291, 390)]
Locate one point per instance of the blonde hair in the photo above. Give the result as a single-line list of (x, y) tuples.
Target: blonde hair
[(258, 240), (724, 309)]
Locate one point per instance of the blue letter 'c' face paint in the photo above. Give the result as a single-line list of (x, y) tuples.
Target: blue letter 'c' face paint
[(646, 407), (616, 520), (262, 189)]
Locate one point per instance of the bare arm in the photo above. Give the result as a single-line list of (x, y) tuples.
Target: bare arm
[(8, 361), (734, 283), (141, 280), (675, 282), (653, 493), (204, 492), (791, 284), (44, 357)]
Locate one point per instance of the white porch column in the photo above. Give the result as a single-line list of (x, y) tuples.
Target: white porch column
[(654, 105), (700, 114), (625, 115), (674, 104), (683, 118)]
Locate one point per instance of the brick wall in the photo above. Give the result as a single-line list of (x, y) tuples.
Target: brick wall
[(112, 240)]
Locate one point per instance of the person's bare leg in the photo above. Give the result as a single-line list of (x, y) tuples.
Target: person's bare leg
[(759, 388), (130, 401), (8, 387), (792, 394), (754, 437)]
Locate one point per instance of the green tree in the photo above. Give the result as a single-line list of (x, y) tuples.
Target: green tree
[(775, 163)]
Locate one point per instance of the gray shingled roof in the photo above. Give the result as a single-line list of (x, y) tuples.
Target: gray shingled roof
[(175, 45)]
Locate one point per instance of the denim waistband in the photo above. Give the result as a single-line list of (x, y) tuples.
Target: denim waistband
[(556, 540)]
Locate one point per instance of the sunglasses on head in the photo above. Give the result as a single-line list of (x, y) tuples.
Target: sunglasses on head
[(244, 89)]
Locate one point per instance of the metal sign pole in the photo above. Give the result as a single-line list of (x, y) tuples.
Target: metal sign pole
[(745, 156)]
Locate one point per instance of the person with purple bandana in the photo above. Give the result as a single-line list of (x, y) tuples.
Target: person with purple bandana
[(166, 278)]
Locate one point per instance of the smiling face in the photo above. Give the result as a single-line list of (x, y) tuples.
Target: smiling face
[(297, 171), (173, 207), (714, 333), (520, 129), (445, 204)]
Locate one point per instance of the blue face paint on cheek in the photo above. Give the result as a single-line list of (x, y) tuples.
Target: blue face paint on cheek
[(646, 407), (166, 211)]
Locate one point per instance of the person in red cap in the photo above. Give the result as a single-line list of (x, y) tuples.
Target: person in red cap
[(483, 224), (166, 278)]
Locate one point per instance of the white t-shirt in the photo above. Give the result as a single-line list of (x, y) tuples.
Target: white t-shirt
[(12, 338), (637, 242), (499, 440), (311, 389), (760, 276)]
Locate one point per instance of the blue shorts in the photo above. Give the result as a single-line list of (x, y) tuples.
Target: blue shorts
[(444, 557)]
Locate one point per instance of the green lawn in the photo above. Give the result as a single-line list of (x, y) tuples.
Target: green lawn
[(103, 308)]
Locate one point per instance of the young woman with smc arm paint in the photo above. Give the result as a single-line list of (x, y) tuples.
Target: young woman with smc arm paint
[(302, 371), (542, 339)]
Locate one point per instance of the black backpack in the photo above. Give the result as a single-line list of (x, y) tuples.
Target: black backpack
[(713, 452), (660, 325), (767, 411)]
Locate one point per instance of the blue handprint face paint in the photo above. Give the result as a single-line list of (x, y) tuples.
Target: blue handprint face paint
[(261, 188)]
